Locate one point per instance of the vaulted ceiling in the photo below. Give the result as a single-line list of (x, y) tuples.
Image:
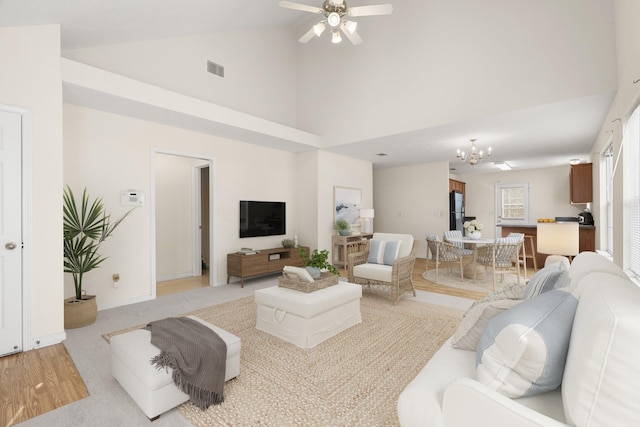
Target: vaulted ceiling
[(441, 72)]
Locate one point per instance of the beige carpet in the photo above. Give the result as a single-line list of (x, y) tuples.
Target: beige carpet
[(353, 378), (485, 285)]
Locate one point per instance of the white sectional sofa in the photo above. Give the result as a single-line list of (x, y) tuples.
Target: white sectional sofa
[(601, 379)]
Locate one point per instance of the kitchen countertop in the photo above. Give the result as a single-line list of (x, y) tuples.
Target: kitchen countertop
[(536, 225)]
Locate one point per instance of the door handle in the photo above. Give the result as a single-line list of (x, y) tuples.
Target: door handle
[(11, 246)]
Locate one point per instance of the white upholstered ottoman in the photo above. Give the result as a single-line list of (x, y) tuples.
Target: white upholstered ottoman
[(307, 319), (152, 389)]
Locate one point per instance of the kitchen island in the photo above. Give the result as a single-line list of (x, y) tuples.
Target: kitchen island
[(587, 238)]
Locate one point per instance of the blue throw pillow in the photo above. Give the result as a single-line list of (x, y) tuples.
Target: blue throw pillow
[(552, 277), (391, 251), (383, 251), (522, 351), (375, 248)]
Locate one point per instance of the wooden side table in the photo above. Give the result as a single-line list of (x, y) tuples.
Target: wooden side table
[(345, 245)]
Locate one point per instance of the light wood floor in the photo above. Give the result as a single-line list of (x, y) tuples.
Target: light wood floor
[(180, 285), (38, 381)]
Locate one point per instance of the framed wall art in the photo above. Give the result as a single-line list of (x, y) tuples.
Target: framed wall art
[(346, 202)]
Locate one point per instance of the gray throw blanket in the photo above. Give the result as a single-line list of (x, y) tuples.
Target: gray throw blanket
[(197, 355)]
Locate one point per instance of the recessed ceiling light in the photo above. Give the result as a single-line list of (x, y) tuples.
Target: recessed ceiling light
[(574, 161), (382, 154), (502, 165)]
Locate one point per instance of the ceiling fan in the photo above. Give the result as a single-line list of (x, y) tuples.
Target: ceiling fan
[(335, 13)]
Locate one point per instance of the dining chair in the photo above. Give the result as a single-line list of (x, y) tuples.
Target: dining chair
[(521, 256), (457, 234), (444, 253), (499, 257)]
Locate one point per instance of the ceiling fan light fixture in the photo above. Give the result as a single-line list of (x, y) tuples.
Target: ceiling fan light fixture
[(318, 29), (333, 19), (336, 37), (350, 26)]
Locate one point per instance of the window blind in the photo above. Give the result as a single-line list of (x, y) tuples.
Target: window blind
[(631, 144)]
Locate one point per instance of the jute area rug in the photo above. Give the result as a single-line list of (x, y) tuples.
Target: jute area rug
[(452, 279), (352, 379)]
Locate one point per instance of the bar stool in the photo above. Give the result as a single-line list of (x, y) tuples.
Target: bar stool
[(531, 255)]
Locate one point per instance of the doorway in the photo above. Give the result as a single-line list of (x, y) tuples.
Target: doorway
[(12, 302), (183, 218)]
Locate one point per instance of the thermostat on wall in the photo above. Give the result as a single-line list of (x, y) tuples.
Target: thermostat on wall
[(131, 198)]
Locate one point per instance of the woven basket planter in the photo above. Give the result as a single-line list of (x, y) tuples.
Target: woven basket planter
[(291, 281), (79, 313)]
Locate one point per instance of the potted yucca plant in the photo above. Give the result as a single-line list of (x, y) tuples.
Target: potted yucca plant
[(86, 225)]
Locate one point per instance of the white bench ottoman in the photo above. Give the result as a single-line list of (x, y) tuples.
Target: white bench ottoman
[(152, 389), (307, 319)]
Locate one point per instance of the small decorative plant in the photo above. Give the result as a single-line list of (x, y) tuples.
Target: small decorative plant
[(342, 226), (288, 243), (317, 259), (472, 226)]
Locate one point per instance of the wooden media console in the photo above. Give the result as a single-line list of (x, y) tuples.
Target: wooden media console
[(265, 261)]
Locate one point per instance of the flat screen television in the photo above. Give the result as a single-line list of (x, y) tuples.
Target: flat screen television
[(262, 218)]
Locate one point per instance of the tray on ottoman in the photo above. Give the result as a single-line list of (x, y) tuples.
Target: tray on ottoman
[(291, 281)]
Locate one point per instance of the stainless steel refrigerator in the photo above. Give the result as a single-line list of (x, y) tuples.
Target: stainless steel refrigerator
[(456, 211)]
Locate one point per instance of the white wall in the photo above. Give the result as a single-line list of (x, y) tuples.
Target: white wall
[(318, 173), (336, 170), (441, 61), (30, 64), (108, 153), (413, 199), (260, 68)]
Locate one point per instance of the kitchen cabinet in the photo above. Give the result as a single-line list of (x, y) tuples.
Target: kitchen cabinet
[(455, 185), (581, 183)]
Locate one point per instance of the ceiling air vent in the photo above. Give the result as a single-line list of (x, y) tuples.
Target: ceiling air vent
[(216, 69)]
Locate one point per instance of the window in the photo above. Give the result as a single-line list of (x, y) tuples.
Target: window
[(631, 204), (512, 203), (607, 161)]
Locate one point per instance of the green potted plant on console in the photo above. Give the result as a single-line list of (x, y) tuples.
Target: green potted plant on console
[(316, 262), (86, 226), (342, 226)]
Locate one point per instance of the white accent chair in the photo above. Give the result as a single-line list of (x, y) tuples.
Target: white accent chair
[(394, 279)]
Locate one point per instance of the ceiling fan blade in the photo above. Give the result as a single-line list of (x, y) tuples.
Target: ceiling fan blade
[(375, 9), (353, 37), (307, 36), (298, 6)]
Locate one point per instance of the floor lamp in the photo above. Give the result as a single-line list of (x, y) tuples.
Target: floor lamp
[(366, 215), (559, 240)]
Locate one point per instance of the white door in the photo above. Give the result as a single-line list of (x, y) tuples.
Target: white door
[(10, 232)]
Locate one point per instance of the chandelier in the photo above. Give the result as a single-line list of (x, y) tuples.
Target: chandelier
[(474, 156)]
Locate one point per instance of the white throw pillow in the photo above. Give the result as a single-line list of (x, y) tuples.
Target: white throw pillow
[(303, 275), (522, 352), (475, 320), (514, 291), (553, 276)]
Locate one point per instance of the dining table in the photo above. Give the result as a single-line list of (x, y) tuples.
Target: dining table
[(472, 270)]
